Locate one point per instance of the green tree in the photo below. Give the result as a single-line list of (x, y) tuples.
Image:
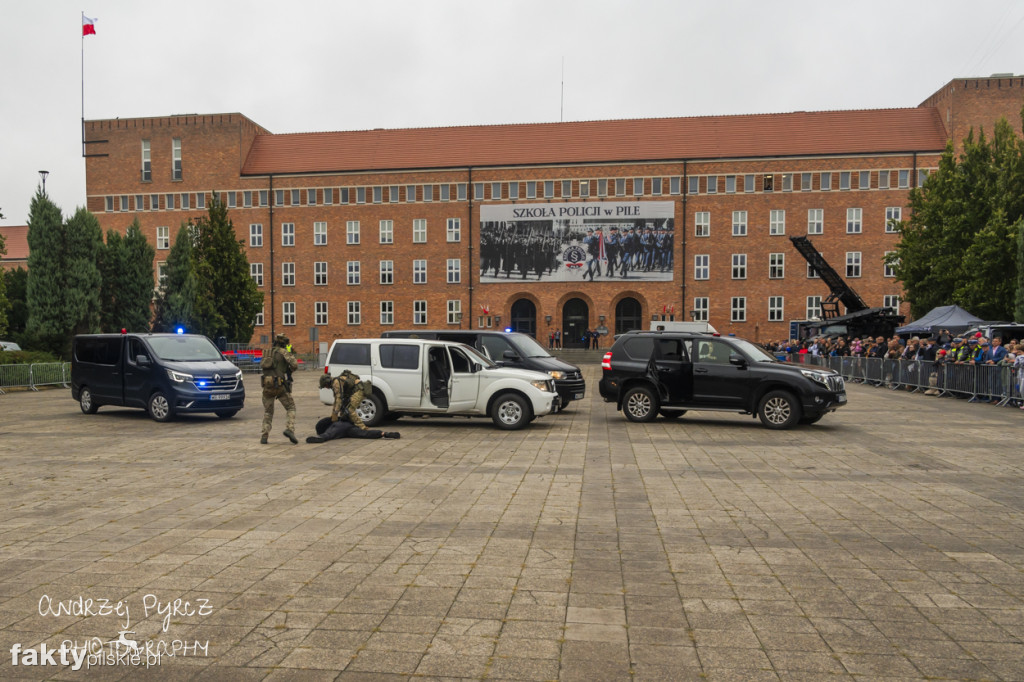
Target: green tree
[(957, 246), (1018, 309), (17, 316), (63, 277), (227, 300), (5, 305), (176, 301), (127, 267)]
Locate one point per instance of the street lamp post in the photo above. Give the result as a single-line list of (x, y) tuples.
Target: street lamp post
[(43, 174)]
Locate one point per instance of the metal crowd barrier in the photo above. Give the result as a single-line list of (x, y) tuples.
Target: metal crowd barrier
[(35, 375), (988, 383)]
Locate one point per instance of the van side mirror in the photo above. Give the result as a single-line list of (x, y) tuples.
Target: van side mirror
[(737, 360), (510, 355)]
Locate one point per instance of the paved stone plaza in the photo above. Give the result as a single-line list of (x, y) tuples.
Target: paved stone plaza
[(887, 541)]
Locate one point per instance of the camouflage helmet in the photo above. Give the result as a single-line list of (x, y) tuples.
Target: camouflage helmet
[(281, 340), (325, 380)]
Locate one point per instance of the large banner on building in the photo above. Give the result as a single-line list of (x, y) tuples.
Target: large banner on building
[(593, 242)]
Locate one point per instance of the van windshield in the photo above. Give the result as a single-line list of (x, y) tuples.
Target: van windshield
[(528, 347), (184, 348)]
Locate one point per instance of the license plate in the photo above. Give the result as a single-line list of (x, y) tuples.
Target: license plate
[(578, 396), (220, 396), (841, 399)]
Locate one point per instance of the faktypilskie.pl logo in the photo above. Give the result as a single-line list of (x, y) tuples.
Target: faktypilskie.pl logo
[(127, 648)]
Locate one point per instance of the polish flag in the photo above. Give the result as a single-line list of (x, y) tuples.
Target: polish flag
[(87, 26)]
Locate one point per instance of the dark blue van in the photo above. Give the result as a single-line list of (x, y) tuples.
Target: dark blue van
[(164, 374)]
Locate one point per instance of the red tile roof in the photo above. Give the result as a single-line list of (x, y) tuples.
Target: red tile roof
[(16, 242), (712, 137)]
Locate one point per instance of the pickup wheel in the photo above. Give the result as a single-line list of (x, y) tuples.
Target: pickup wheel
[(159, 407), (371, 410), (640, 404), (510, 412), (778, 410), (86, 402)]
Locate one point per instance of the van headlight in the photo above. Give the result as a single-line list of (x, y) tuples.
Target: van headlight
[(816, 377), (179, 377), (542, 385), (557, 375)]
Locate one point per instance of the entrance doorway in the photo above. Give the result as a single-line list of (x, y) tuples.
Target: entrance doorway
[(627, 316), (524, 317), (575, 322)]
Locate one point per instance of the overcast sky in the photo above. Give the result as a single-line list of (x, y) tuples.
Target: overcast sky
[(316, 65)]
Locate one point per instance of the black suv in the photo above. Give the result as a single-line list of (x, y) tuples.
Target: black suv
[(647, 373)]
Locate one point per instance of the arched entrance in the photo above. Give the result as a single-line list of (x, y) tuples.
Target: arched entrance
[(524, 317), (628, 315), (575, 322)]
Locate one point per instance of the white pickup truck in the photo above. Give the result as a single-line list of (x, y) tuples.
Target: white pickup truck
[(439, 378)]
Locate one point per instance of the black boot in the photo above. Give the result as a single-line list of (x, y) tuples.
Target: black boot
[(290, 435), (315, 439), (391, 434)]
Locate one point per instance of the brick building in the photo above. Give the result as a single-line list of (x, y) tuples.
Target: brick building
[(352, 233)]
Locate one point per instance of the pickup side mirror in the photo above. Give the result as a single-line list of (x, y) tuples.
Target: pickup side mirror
[(738, 360), (142, 360)]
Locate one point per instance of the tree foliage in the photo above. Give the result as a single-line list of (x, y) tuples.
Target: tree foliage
[(5, 306), (16, 282), (127, 267), (959, 244), (176, 302), (63, 291)]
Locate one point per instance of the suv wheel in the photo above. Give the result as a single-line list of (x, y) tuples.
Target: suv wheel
[(778, 410), (510, 412), (371, 410), (640, 404)]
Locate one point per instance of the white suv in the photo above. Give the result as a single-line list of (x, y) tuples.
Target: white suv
[(425, 377)]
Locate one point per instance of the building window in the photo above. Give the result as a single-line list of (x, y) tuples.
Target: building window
[(288, 313), (513, 191), (163, 237), (320, 273), (853, 263), (419, 271), (549, 189), (739, 266), (813, 308), (387, 232), (161, 275), (620, 187), (776, 265), (278, 197), (201, 200), (812, 273), (328, 196), (892, 302), (638, 187), (693, 185), (787, 182), (319, 234), (124, 205), (154, 202), (311, 197), (232, 199), (320, 313), (922, 175), (255, 235), (702, 223), (478, 191), (566, 189), (109, 203), (656, 186), (247, 199), (387, 312), (826, 182), (739, 223), (738, 309), (147, 169), (287, 234), (354, 312), (904, 179), (353, 272), (387, 272), (748, 183), (496, 191), (360, 195), (454, 271), (888, 270), (296, 197), (864, 181), (815, 220), (805, 182), (844, 180), (777, 221), (393, 194), (883, 179), (893, 215), (730, 184), (258, 322), (454, 311), (287, 274), (264, 197), (531, 190), (419, 231), (454, 229), (445, 193), (410, 194), (853, 220), (184, 201), (343, 195), (352, 232), (674, 185), (700, 309), (768, 183), (584, 188), (712, 184), (256, 272), (701, 266), (602, 187), (419, 312), (775, 309), (176, 159)]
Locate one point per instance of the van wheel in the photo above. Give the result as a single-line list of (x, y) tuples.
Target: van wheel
[(371, 410), (778, 410), (86, 402), (159, 407), (640, 404), (510, 412), (227, 414), (672, 414)]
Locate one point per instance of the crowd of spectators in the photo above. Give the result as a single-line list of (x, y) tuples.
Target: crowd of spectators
[(934, 363)]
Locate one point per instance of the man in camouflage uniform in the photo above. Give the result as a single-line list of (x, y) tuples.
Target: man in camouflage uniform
[(348, 395), (277, 365)]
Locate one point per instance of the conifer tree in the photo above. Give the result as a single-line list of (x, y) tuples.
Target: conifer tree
[(4, 304), (127, 266), (176, 301)]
